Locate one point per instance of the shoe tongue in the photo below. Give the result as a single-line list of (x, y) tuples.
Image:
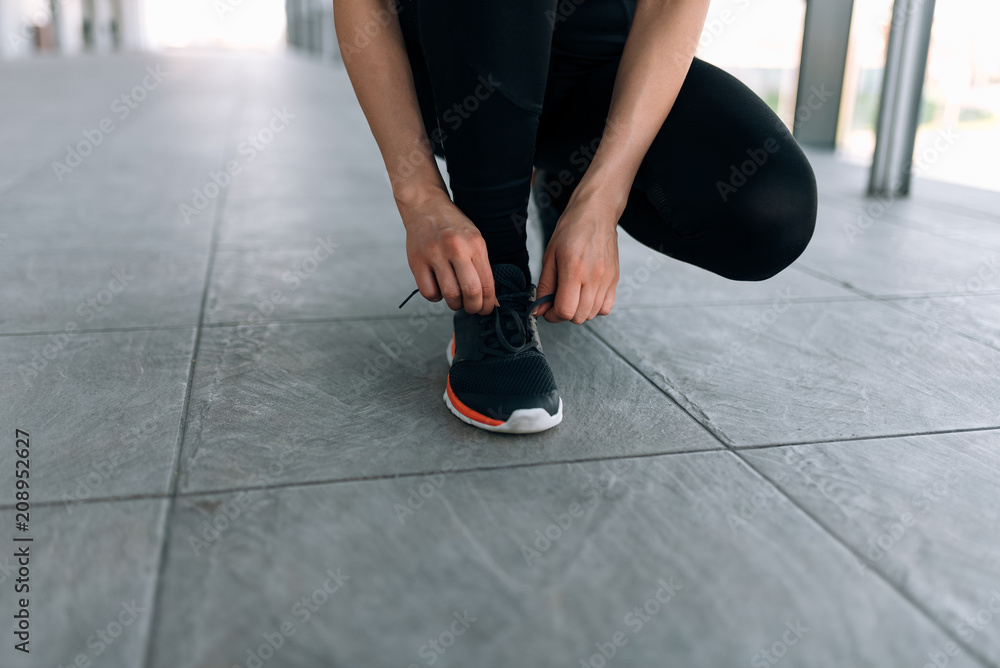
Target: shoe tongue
[(509, 276)]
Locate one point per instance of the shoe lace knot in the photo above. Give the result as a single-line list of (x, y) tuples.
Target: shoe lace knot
[(510, 331)]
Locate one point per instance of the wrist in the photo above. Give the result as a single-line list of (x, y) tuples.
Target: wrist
[(414, 194), (605, 193)]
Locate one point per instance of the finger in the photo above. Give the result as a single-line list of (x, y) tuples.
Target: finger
[(597, 305), (588, 295), (448, 284), (567, 298), (468, 281), (426, 283), (609, 300), (481, 262), (546, 283)]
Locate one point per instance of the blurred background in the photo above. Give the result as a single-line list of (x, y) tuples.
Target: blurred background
[(199, 328), (760, 41)]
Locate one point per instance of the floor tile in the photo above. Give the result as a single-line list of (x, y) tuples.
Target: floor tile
[(974, 229), (324, 401), (976, 316), (919, 263), (101, 290), (921, 510), (654, 526), (267, 223), (813, 372), (92, 575), (33, 223), (103, 410), (320, 279)]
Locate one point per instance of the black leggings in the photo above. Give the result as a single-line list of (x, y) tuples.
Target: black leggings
[(507, 85)]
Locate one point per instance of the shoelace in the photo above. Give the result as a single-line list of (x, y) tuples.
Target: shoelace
[(515, 306)]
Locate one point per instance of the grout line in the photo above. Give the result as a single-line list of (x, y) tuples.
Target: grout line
[(888, 301), (875, 568), (916, 605), (854, 439), (156, 603), (638, 307), (474, 469), (370, 478), (713, 431), (105, 330)]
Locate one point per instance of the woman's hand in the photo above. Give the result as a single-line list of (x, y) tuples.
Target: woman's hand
[(581, 261), (447, 254)]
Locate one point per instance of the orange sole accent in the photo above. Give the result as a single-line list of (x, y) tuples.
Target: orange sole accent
[(468, 412), (453, 346)]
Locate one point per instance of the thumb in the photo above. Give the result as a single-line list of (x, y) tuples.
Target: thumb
[(546, 283)]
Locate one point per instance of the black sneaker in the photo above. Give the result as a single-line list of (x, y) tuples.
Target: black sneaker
[(499, 378)]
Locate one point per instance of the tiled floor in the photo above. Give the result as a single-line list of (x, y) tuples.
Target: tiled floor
[(240, 456)]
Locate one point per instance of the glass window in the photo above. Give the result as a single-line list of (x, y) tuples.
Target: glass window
[(760, 43), (859, 104), (959, 135)]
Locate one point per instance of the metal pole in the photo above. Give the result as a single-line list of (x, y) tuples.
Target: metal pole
[(902, 92)]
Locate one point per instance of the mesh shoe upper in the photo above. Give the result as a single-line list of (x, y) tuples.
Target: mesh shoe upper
[(498, 356)]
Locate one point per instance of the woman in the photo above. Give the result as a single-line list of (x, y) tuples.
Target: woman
[(624, 126)]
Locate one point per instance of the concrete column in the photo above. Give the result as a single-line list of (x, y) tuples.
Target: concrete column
[(132, 25), (69, 26), (293, 9), (329, 35), (313, 14), (821, 71), (16, 36), (103, 33)]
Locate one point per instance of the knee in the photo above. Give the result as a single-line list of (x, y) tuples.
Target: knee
[(777, 221)]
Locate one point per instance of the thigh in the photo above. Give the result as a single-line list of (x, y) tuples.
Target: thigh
[(723, 186)]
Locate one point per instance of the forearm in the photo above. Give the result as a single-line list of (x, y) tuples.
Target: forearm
[(383, 82), (655, 62)]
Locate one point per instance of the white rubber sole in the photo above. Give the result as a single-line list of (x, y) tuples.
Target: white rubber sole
[(523, 421)]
